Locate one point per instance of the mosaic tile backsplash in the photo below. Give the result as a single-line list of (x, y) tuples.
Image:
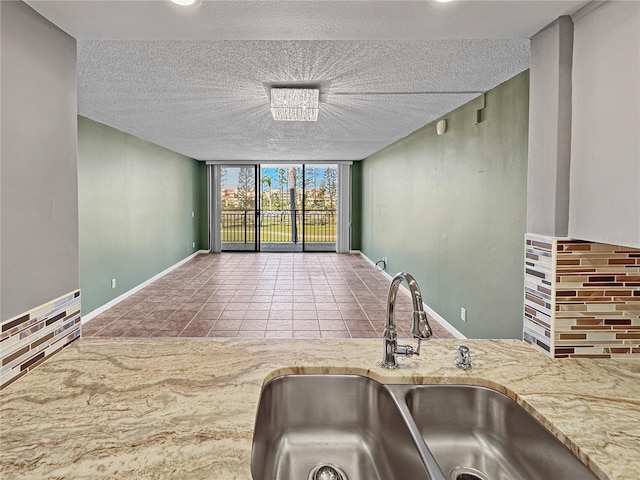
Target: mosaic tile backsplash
[(593, 303), (538, 292), (28, 339)]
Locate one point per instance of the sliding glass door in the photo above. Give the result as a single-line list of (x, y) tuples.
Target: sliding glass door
[(275, 208), (281, 218)]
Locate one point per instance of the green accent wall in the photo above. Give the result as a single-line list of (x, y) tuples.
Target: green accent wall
[(356, 205), (135, 204), (451, 210), (201, 196)]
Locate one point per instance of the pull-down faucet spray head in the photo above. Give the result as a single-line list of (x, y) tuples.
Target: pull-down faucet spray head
[(420, 328)]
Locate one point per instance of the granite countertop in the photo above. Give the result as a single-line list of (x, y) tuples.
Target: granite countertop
[(184, 408)]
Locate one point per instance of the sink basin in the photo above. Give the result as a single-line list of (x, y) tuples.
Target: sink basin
[(350, 423), (347, 427), (476, 433)]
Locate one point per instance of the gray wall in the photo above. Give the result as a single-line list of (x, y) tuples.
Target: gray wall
[(451, 210), (550, 129), (136, 200), (605, 158), (39, 192)]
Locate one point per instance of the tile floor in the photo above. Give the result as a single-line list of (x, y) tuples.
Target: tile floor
[(271, 295)]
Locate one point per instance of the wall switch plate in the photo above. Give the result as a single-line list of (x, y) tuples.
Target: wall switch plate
[(463, 314), (113, 283)]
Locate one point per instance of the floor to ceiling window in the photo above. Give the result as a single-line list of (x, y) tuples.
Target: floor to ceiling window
[(239, 205), (273, 207), (320, 205)]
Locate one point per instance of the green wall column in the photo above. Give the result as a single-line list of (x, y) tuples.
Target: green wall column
[(356, 205)]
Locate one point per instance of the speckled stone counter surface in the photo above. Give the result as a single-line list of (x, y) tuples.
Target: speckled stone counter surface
[(180, 408)]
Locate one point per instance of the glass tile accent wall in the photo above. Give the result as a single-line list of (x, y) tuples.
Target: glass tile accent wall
[(582, 299), (28, 339)]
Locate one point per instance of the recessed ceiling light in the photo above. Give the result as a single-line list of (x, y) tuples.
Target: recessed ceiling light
[(444, 1), (184, 2)]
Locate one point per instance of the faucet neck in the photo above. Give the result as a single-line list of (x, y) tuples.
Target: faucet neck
[(420, 328), (414, 289)]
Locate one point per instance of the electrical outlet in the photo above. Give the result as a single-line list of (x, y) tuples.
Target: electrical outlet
[(385, 259), (463, 314), (193, 214), (194, 244), (113, 283)]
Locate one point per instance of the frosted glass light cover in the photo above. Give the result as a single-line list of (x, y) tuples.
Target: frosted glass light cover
[(295, 104)]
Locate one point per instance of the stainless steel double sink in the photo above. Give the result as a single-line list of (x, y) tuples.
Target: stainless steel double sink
[(348, 427)]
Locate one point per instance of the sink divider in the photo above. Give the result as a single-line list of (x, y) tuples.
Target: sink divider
[(399, 393)]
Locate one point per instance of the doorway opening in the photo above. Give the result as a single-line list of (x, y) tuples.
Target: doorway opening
[(279, 208)]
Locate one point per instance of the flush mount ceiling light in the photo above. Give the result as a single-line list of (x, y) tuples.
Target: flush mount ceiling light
[(184, 2), (295, 104)]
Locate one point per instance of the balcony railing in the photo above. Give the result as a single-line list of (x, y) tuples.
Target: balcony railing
[(317, 226)]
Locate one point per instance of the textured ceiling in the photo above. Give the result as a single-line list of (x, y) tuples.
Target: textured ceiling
[(210, 100), (197, 80)]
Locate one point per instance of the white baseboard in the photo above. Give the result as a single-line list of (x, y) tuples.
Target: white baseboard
[(450, 328), (125, 295), (447, 326)]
